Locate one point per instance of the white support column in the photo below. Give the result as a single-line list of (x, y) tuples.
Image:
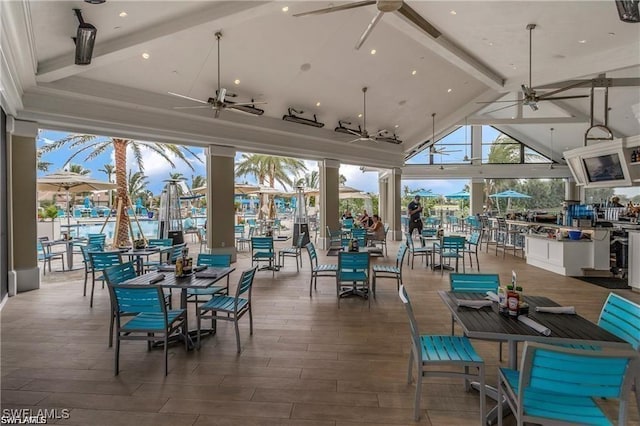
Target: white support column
[(220, 200), (382, 198), (477, 196), (24, 274), (329, 174), (395, 210), (476, 144), (571, 190)]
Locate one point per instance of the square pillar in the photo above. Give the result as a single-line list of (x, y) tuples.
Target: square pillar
[(382, 198), (220, 200), (329, 174), (476, 201), (394, 202), (24, 273)]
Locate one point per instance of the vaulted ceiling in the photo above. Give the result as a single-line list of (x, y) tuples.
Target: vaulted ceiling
[(299, 62)]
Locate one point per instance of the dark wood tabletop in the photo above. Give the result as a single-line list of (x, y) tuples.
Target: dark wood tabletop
[(487, 323), (195, 280)]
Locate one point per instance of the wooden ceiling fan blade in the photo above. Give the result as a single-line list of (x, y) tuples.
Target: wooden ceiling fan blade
[(367, 32), (504, 107), (188, 97), (336, 8), (557, 98), (417, 20)]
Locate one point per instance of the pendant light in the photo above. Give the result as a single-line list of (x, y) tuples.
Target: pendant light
[(551, 147)]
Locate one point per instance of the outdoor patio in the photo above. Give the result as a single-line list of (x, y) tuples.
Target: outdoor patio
[(307, 363)]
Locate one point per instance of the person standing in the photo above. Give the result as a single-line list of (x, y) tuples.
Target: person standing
[(413, 210)]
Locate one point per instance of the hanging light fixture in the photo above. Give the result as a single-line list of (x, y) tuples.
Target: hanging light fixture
[(85, 39), (551, 147), (628, 10)]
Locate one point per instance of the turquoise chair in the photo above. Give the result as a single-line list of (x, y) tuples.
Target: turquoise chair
[(318, 270), (230, 308), (151, 320), (238, 231), (437, 352), (558, 385), (360, 234), (215, 261), (262, 250), (294, 251), (347, 223), (450, 248), (414, 251), (77, 213), (251, 222), (86, 261), (353, 268), (390, 271), (61, 213), (473, 243), (99, 262), (335, 238), (150, 264), (117, 275), (46, 256), (96, 239)]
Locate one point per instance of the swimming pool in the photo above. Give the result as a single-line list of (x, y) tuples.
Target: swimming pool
[(149, 228)]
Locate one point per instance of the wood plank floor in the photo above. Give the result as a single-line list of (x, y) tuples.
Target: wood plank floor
[(308, 363)]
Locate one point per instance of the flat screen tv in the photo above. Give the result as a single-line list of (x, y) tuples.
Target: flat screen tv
[(603, 168)]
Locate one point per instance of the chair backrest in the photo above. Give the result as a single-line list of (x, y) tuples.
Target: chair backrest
[(262, 244), (452, 243), (120, 273), (176, 252), (251, 222), (217, 260), (238, 230), (474, 283), (246, 282), (429, 232), (359, 233), (333, 235), (313, 256), (409, 241), (347, 223), (621, 317), (413, 324), (138, 299), (88, 248), (349, 262), (577, 372), (96, 239), (474, 238), (104, 260), (160, 242), (402, 252)]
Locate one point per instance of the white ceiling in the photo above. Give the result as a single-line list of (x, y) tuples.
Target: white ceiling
[(265, 48)]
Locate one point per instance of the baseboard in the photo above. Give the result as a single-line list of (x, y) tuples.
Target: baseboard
[(24, 280)]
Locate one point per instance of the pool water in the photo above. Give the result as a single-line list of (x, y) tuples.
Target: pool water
[(149, 229)]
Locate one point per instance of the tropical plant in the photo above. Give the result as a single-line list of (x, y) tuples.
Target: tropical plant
[(342, 179), (198, 181), (79, 169), (92, 146), (309, 180), (43, 166), (137, 184), (269, 169)]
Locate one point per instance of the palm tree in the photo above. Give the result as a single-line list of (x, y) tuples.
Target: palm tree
[(179, 177), (198, 181), (137, 184), (342, 179), (270, 169), (77, 168), (43, 166), (109, 170), (93, 146), (310, 180)]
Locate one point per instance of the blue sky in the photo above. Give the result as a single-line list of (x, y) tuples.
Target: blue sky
[(157, 170)]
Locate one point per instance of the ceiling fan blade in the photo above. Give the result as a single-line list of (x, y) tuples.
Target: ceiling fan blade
[(504, 107), (413, 16), (496, 102), (354, 133), (381, 132), (555, 98), (336, 8), (366, 32), (235, 104), (355, 140), (562, 89), (188, 97), (193, 107)]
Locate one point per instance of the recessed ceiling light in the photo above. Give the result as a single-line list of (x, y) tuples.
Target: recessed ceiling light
[(490, 43), (396, 126), (285, 9), (359, 115), (453, 12), (449, 90), (373, 51), (414, 72), (236, 81), (582, 41), (145, 55), (123, 14), (612, 34), (317, 103)]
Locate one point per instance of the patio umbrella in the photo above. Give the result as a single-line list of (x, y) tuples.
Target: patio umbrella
[(460, 195), (70, 182), (508, 194), (239, 188), (424, 193)]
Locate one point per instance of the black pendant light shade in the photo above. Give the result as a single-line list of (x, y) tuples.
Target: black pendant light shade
[(85, 39), (628, 10)]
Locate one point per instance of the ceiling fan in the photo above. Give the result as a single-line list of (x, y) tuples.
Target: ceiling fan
[(364, 134), (383, 6), (529, 95), (220, 102)]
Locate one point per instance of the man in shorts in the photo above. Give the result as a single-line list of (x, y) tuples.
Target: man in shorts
[(413, 211)]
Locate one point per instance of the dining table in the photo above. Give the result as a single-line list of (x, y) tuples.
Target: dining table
[(203, 278), (487, 323), (68, 243), (140, 254)]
